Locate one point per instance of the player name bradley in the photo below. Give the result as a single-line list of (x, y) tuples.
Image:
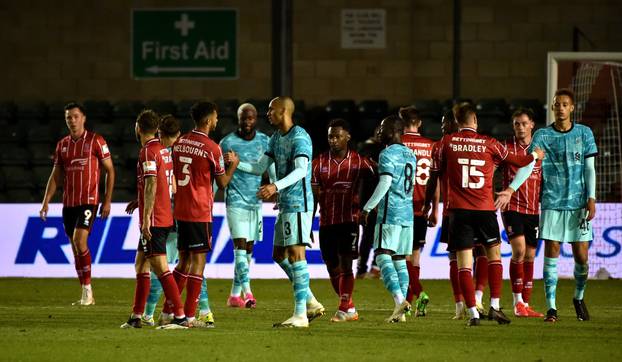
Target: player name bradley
[(467, 148)]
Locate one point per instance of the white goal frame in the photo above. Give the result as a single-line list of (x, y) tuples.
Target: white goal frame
[(553, 59)]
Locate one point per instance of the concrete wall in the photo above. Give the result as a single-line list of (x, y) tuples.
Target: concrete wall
[(59, 50)]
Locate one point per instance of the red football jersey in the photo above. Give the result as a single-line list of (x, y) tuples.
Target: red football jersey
[(442, 178), (468, 160), (79, 159), (338, 182), (196, 160), (422, 147), (154, 160), (526, 199)]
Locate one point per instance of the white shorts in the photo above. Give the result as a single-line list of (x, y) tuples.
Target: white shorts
[(565, 226), (293, 228), (245, 224), (397, 238)]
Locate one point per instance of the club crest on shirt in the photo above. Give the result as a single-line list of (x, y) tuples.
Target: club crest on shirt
[(64, 149), (87, 148), (577, 156)]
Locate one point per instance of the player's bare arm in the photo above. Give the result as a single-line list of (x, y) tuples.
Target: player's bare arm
[(55, 179), (109, 168), (131, 206), (151, 184), (432, 191), (432, 216), (232, 161)]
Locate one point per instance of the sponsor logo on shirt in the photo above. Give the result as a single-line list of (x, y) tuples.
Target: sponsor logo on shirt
[(149, 166), (79, 161)]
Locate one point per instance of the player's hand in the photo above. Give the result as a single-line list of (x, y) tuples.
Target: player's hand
[(145, 230), (104, 212), (131, 206), (433, 218), (590, 207), (363, 218), (266, 191), (43, 213), (232, 158), (540, 153), (503, 198)]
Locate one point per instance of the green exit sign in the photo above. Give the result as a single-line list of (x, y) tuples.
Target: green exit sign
[(184, 43)]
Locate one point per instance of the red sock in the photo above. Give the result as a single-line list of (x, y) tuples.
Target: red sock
[(481, 272), (76, 259), (192, 294), (85, 264), (346, 288), (181, 280), (455, 281), (516, 276), (143, 283), (171, 293), (413, 276), (334, 281), (527, 280), (495, 272), (466, 285)]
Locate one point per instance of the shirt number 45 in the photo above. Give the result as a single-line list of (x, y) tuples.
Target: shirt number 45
[(470, 171)]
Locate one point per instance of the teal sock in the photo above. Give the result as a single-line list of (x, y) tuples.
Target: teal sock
[(247, 288), (236, 287), (287, 268), (203, 298), (249, 257), (402, 275), (550, 281), (301, 285), (155, 291), (241, 269), (580, 278), (389, 276)]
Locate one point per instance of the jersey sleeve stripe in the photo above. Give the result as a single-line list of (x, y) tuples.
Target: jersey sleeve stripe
[(386, 173), (591, 155), (270, 154), (301, 155)]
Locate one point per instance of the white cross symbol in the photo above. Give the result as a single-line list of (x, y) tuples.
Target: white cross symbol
[(184, 25)]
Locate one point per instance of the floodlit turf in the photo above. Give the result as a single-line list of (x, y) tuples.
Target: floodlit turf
[(37, 322)]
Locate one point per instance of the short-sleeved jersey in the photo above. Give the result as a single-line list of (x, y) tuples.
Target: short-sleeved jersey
[(526, 200), (563, 167), (284, 149), (467, 159), (422, 148), (442, 177), (79, 159), (154, 160), (339, 185), (196, 160), (242, 189), (396, 207)]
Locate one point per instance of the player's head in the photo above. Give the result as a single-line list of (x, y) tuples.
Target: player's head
[(522, 122), (280, 110), (75, 117), (563, 104), (411, 117), (391, 130), (448, 123), (204, 115), (147, 124), (169, 130), (465, 115), (247, 118), (338, 135)]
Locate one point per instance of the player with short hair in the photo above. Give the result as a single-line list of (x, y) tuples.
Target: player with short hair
[(422, 148), (77, 161), (520, 216), (394, 224), (469, 159), (290, 149), (336, 180), (568, 201), (155, 186), (243, 206), (197, 162)]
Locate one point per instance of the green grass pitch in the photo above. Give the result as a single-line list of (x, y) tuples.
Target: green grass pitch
[(37, 322)]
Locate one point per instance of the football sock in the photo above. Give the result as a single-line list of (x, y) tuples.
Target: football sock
[(415, 284), (287, 268), (481, 272), (241, 271), (204, 298), (495, 278), (459, 307), (479, 295), (466, 285), (192, 294), (527, 280), (455, 281), (140, 293), (154, 295), (516, 276), (346, 287), (580, 278), (334, 281), (172, 294), (494, 302), (389, 277), (473, 313), (249, 257), (402, 275), (85, 264), (180, 280), (550, 281), (301, 285), (76, 259)]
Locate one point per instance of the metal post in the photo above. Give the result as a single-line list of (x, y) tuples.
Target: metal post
[(282, 48)]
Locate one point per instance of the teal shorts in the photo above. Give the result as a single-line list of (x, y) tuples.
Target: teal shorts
[(293, 228), (397, 238), (565, 226), (245, 224), (171, 248)]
